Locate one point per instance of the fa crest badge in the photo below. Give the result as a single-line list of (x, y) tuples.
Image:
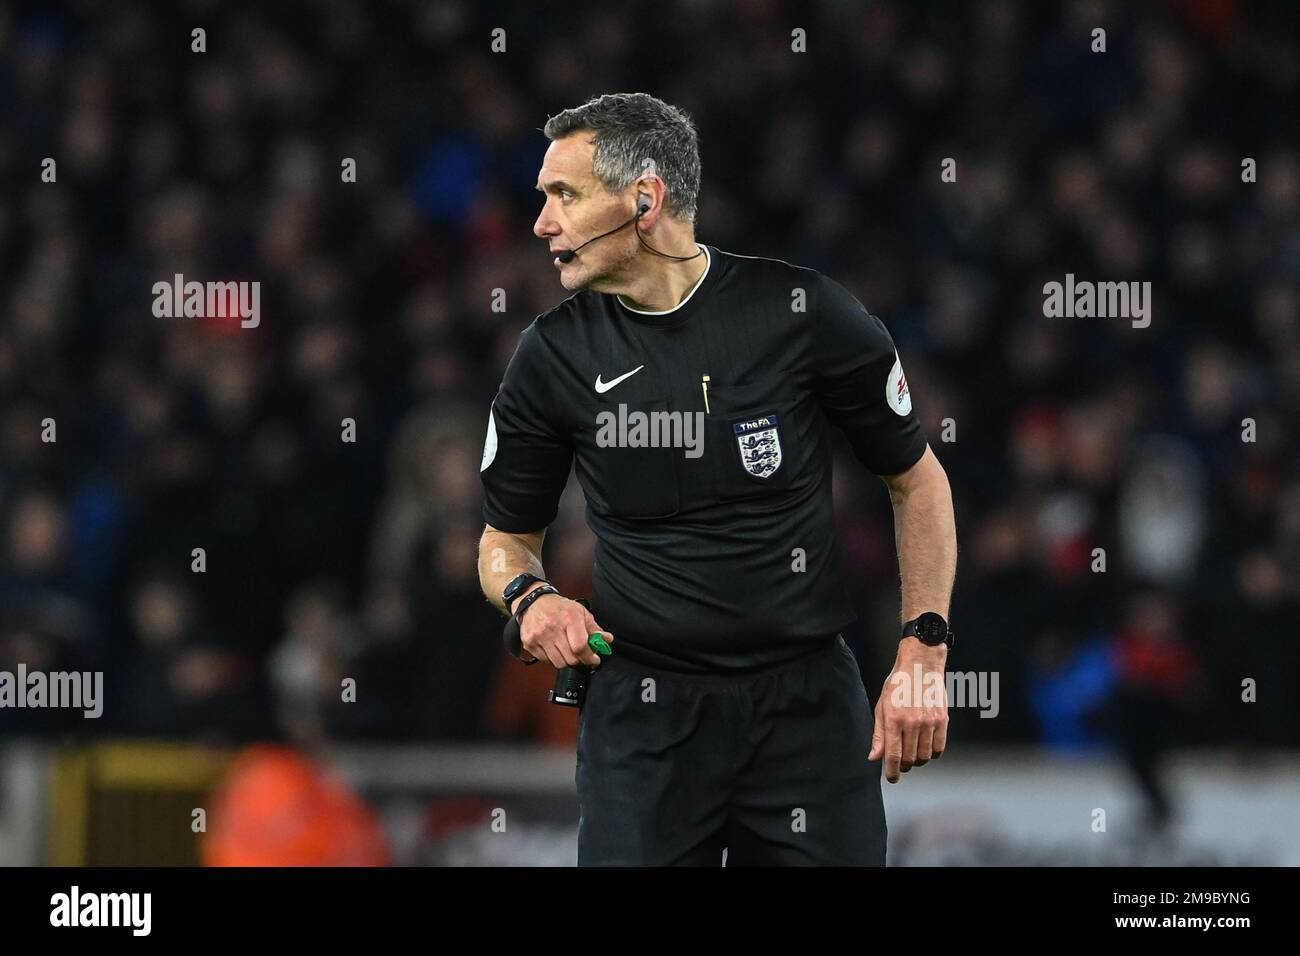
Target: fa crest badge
[(760, 445)]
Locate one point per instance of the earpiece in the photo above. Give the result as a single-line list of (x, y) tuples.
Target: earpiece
[(643, 203)]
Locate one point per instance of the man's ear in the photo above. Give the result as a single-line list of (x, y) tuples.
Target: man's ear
[(646, 191)]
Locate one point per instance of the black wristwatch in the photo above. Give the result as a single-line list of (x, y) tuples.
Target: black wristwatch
[(931, 629), (518, 585)]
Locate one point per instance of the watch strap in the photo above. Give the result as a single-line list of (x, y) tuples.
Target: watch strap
[(531, 597)]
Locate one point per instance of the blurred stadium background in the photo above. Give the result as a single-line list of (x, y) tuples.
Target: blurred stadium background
[(327, 560)]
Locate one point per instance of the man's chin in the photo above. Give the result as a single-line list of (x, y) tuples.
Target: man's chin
[(576, 280), (581, 277)]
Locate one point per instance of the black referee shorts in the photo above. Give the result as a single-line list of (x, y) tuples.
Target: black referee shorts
[(772, 766)]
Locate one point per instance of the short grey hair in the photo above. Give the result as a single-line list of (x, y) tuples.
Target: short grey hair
[(631, 128)]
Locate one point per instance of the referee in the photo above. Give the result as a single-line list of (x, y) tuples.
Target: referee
[(692, 390)]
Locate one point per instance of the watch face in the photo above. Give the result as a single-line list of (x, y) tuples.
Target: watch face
[(517, 585), (931, 628)]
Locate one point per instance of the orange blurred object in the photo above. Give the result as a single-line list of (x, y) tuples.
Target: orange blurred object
[(519, 707), (277, 807)]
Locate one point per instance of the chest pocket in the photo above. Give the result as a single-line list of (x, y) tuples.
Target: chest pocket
[(625, 459), (755, 437)]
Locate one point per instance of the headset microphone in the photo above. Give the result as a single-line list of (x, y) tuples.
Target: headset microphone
[(643, 205)]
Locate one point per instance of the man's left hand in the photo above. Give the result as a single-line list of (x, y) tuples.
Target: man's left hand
[(912, 712)]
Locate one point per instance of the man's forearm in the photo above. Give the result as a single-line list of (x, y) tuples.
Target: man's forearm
[(925, 534), (502, 557)]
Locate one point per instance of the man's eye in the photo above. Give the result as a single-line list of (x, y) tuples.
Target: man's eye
[(565, 194)]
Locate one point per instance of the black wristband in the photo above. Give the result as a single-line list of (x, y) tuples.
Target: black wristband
[(529, 598)]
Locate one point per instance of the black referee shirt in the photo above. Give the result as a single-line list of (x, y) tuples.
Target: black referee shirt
[(715, 537)]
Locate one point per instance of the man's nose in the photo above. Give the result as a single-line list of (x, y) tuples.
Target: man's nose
[(545, 225)]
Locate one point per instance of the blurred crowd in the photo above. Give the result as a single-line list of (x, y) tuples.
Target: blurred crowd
[(128, 441)]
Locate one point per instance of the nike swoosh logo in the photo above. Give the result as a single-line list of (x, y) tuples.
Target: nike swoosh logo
[(603, 387)]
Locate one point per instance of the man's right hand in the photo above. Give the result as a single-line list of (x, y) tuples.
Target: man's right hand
[(556, 629)]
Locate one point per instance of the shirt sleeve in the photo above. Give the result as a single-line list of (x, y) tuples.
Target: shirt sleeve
[(526, 456), (859, 381)]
